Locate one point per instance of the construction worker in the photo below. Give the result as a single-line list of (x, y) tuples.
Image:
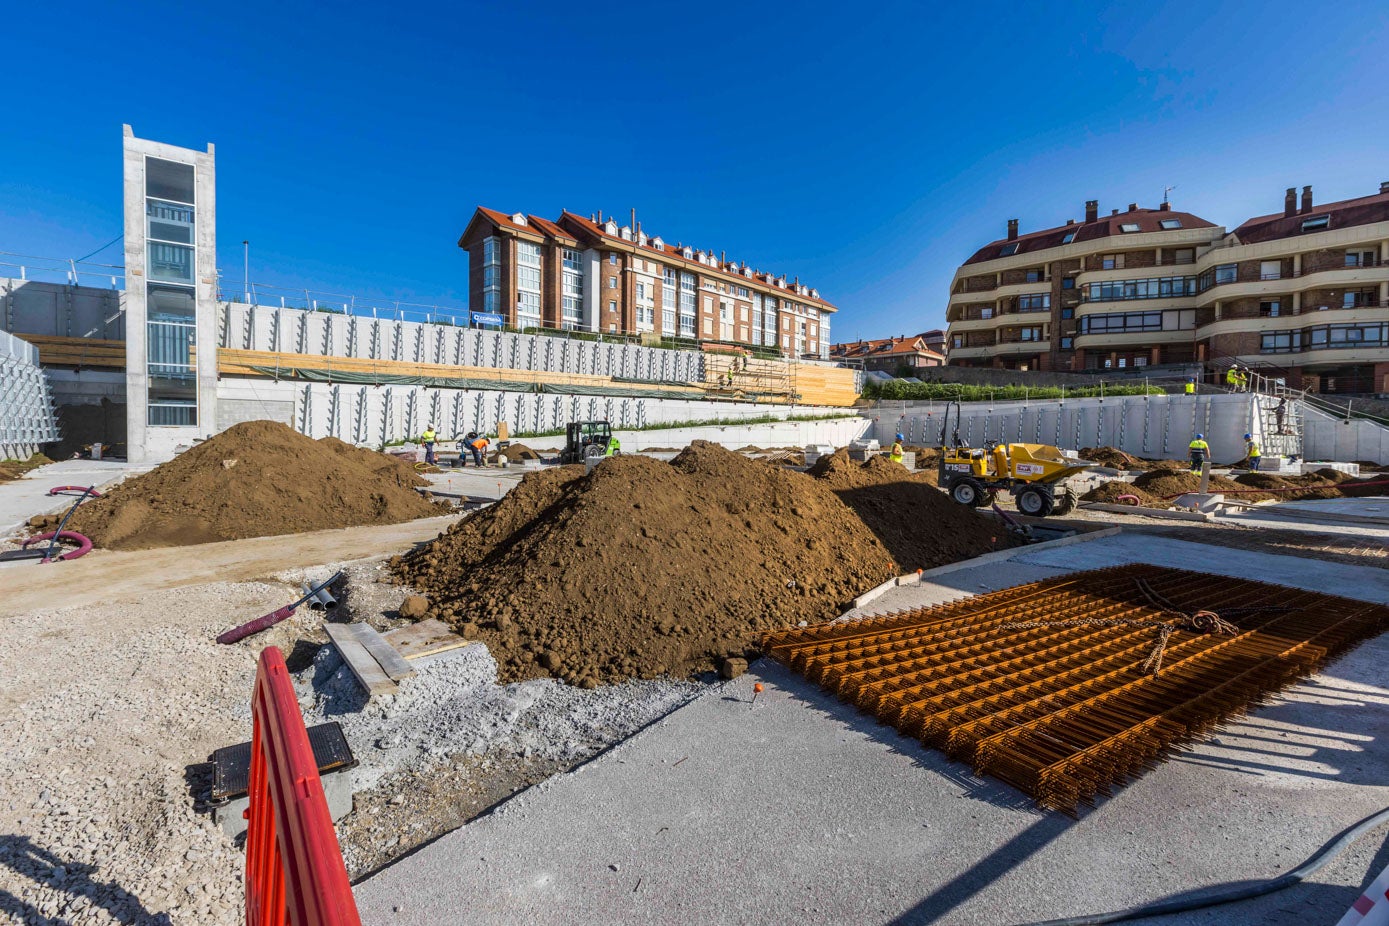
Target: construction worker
[(477, 444), (1251, 450), (896, 454), (1243, 379), (1199, 451), (1232, 377), (427, 438), (1190, 387)]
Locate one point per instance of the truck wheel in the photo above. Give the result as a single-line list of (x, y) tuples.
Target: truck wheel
[(1065, 504), (968, 492), (1034, 502)]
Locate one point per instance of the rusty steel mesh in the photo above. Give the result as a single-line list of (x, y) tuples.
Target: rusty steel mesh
[(1067, 687)]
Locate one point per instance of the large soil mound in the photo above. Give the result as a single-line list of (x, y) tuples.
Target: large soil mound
[(644, 568), (254, 480), (1109, 493), (918, 523), (1169, 483)]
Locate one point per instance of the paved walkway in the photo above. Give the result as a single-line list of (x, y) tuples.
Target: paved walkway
[(22, 499), (801, 810)]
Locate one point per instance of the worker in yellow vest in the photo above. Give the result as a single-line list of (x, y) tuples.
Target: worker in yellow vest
[(1191, 386), (1232, 377), (1251, 450), (1199, 450), (896, 454), (428, 438)]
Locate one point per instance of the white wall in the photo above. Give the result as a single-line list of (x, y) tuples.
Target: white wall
[(26, 407), (1325, 437)]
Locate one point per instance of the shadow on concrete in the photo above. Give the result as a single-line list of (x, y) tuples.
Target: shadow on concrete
[(72, 878)]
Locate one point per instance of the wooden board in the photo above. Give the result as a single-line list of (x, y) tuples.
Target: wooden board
[(423, 639), (362, 663), (385, 655)]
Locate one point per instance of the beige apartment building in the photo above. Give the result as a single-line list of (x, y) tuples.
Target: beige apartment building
[(1302, 293), (587, 273)]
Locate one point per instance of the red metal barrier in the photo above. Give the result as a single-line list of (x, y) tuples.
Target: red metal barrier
[(294, 869)]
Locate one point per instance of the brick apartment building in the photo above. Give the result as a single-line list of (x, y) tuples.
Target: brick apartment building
[(587, 273), (898, 356), (1302, 293)]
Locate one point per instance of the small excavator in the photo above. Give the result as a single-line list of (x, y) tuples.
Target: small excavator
[(1034, 474)]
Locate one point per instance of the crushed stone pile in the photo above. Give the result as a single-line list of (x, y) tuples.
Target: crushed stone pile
[(255, 479), (920, 525), (1109, 492), (644, 568)]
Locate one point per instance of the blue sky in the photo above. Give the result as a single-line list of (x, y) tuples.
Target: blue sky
[(866, 148)]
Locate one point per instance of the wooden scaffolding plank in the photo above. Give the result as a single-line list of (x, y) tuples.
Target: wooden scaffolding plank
[(363, 665), (424, 639), (391, 662)]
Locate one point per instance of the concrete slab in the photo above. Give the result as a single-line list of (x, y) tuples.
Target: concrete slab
[(800, 810), (22, 499)]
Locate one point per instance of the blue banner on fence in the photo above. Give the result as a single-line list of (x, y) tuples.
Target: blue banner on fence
[(487, 318)]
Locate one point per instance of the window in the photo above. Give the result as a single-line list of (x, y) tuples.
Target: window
[(687, 305), (1068, 313), (1034, 302), (171, 330), (1353, 258), (1068, 282), (1112, 262), (527, 284), (1121, 322), (612, 282), (1184, 256), (1068, 237), (668, 290), (1359, 298), (1155, 288), (612, 306), (572, 291), (1067, 343), (957, 340), (1030, 334), (1128, 228), (1226, 273), (1316, 223), (641, 290), (1271, 270), (1009, 249), (1036, 275), (1170, 224), (1270, 308), (741, 290), (612, 259), (986, 312)]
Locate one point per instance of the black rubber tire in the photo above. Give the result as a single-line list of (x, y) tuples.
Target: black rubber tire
[(968, 492), (1034, 502), (1065, 503)]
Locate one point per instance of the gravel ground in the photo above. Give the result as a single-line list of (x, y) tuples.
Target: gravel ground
[(110, 712)]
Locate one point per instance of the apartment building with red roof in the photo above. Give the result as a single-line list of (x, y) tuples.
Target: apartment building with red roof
[(588, 273), (900, 356)]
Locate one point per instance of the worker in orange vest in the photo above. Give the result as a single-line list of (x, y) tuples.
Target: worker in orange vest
[(477, 444)]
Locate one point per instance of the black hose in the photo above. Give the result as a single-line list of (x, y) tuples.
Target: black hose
[(1299, 874)]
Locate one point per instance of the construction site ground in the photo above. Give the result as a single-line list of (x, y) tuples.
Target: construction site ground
[(796, 808), (799, 809)]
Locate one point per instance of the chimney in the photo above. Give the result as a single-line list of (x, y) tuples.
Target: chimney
[(1164, 206), (1070, 221), (1133, 207), (1290, 202), (1306, 199), (1114, 212), (1012, 229), (1092, 210), (1384, 186)]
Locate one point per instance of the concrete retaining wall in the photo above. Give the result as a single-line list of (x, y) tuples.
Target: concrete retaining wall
[(34, 307), (837, 432), (1157, 426), (1325, 437), (26, 405)]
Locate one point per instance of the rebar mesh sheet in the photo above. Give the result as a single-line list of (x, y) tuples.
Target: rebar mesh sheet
[(1063, 708)]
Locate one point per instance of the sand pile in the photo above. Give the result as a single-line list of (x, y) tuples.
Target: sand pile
[(253, 480), (919, 524), (1109, 492), (644, 568)]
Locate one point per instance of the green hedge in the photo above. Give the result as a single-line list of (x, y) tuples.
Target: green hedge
[(921, 392)]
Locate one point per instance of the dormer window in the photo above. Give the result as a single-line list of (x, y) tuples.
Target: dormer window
[(610, 227), (688, 253), (1316, 223), (747, 272), (1068, 237), (657, 243), (626, 233), (1170, 224), (1009, 249), (518, 219), (1128, 228)]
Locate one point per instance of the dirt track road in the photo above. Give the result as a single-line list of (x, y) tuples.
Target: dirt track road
[(103, 576)]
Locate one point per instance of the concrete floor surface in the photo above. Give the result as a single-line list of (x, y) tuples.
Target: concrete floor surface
[(799, 809)]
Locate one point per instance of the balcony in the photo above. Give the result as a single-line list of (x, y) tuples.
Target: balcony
[(1331, 275)]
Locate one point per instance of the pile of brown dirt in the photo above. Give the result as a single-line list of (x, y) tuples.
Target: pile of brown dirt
[(927, 463), (1168, 483), (1292, 488), (643, 568), (920, 525), (1110, 456), (1109, 492), (14, 469), (255, 479), (515, 453)]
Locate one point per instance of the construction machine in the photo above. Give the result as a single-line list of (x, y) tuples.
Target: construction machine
[(585, 440), (1034, 474)]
